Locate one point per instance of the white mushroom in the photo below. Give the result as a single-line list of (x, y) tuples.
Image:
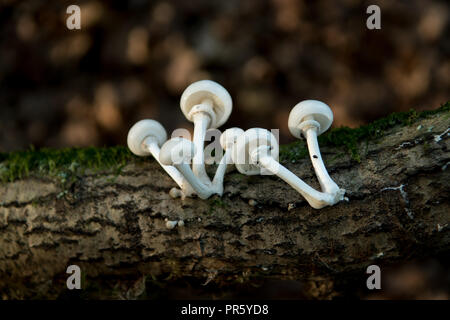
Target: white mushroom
[(179, 152), (260, 148), (171, 224), (227, 140), (310, 118), (145, 138), (208, 105), (249, 140)]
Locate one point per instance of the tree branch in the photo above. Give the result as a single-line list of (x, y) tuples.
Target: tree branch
[(114, 225)]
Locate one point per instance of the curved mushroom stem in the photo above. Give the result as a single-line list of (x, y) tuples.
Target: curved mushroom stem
[(315, 198), (217, 184), (203, 191), (152, 146), (326, 183), (201, 123)]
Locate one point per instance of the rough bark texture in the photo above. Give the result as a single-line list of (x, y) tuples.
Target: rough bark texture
[(397, 208)]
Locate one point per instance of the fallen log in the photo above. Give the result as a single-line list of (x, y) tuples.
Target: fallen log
[(108, 212)]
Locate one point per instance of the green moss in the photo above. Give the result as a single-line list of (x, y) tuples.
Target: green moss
[(64, 164), (293, 152), (350, 138), (216, 203)]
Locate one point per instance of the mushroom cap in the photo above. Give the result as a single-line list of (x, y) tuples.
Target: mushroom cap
[(318, 110), (142, 130), (246, 143), (198, 91), (229, 137), (176, 151)]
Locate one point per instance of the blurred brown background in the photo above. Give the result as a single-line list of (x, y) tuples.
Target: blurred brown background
[(133, 59)]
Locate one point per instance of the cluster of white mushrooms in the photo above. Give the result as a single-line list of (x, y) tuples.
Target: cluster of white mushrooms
[(255, 151)]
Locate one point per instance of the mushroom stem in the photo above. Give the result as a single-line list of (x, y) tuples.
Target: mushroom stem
[(203, 191), (326, 183), (217, 184), (315, 198), (201, 124), (227, 141), (152, 146)]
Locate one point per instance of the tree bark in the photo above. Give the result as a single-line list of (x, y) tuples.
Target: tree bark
[(115, 226)]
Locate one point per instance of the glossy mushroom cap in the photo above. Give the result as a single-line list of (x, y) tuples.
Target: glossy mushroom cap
[(198, 91), (176, 151), (142, 130), (229, 137), (314, 109), (247, 143)]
